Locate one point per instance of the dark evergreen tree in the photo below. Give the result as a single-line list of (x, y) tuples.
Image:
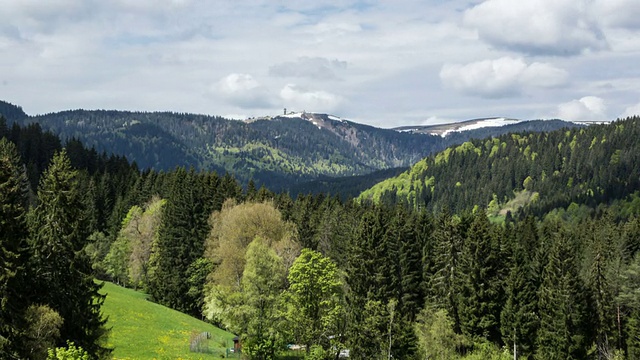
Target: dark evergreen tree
[(603, 249), (410, 259), (630, 299), (60, 269), (481, 285), (13, 236), (562, 304), (443, 282), (180, 243), (365, 314), (519, 316)]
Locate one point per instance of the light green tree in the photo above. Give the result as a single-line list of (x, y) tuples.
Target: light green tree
[(71, 352), (316, 301), (436, 338), (255, 309), (262, 285), (43, 330)]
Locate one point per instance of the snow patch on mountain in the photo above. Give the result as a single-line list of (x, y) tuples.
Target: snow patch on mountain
[(446, 129), (485, 123)]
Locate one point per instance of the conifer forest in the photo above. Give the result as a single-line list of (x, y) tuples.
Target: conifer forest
[(523, 245)]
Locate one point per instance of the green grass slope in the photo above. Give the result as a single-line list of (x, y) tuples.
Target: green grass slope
[(141, 329)]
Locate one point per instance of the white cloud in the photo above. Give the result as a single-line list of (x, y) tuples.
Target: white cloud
[(300, 99), (633, 110), (587, 108), (556, 27), (618, 13), (243, 91), (309, 67), (502, 77), (178, 55)]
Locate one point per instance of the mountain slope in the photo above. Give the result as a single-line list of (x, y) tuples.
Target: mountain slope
[(275, 151), (588, 165)]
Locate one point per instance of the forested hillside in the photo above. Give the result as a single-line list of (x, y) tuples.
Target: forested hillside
[(589, 166), (278, 152), (379, 280)]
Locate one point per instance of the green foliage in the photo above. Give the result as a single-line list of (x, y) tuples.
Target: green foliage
[(584, 171), (481, 281), (316, 352), (562, 304), (235, 227), (61, 271), (13, 232), (180, 241), (43, 330), (629, 297), (519, 316), (256, 311), (436, 338), (315, 306), (71, 352)]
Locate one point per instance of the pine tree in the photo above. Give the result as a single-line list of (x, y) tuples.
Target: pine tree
[(603, 252), (59, 267), (630, 298), (443, 283), (364, 313), (180, 242), (481, 285), (412, 296), (13, 235), (562, 304), (519, 318)]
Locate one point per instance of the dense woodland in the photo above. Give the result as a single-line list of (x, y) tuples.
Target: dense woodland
[(277, 152), (586, 166), (426, 276)]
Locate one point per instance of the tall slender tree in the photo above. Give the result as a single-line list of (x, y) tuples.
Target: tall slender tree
[(481, 284), (443, 280), (60, 268), (562, 304), (519, 317), (180, 242), (13, 235)]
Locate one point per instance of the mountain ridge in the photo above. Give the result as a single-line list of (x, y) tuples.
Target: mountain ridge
[(276, 151)]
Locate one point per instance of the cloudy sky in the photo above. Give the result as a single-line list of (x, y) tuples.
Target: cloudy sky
[(384, 63)]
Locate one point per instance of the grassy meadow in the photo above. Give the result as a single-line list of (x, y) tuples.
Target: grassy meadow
[(141, 329)]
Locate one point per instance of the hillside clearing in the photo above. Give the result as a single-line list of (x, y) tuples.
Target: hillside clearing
[(141, 329)]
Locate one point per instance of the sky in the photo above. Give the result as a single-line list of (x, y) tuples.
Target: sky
[(383, 63)]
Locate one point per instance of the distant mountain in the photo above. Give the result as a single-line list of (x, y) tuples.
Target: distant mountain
[(489, 126), (467, 125), (590, 165), (276, 151)]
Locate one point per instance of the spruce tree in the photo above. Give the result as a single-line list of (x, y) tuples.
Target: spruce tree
[(364, 313), (180, 243), (13, 235), (562, 304), (442, 288), (629, 297), (60, 269), (480, 281), (412, 297), (519, 318), (603, 255)]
